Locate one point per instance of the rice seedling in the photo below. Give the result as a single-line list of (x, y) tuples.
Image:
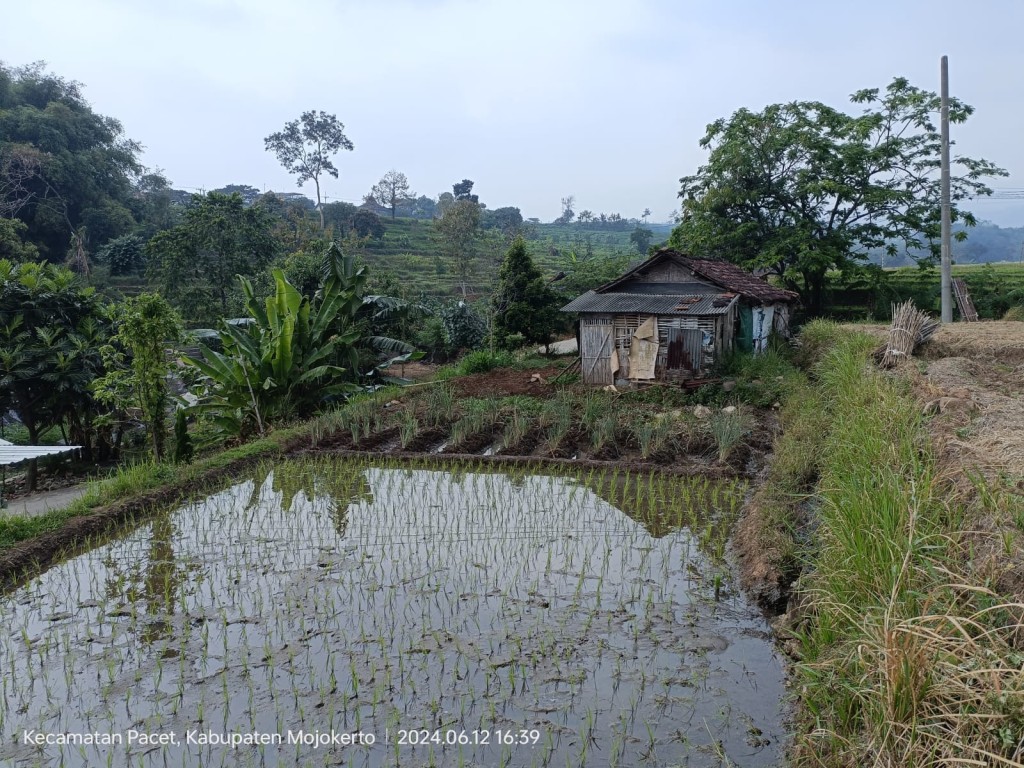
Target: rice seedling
[(372, 595)]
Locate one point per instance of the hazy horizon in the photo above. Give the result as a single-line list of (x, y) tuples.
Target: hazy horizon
[(605, 101)]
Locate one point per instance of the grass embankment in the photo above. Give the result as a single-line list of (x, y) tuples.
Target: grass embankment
[(904, 661)]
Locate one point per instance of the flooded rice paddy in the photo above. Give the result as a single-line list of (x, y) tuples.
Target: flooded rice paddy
[(346, 613)]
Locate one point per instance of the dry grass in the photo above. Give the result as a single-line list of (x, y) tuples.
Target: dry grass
[(980, 447), (944, 688), (999, 339), (912, 649)]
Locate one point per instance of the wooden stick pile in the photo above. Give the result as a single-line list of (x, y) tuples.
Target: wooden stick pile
[(910, 328)]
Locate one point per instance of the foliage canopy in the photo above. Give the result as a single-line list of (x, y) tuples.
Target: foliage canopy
[(802, 188), (305, 148), (195, 262)]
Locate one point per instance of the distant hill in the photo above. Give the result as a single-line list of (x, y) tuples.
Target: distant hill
[(985, 244)]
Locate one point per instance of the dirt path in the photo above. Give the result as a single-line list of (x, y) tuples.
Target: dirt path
[(40, 503)]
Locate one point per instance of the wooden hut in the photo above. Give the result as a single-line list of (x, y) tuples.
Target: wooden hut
[(672, 316)]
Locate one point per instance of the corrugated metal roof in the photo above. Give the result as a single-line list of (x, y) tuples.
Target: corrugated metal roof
[(12, 454), (647, 304)]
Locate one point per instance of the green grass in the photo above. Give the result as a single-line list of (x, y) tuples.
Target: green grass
[(894, 638)]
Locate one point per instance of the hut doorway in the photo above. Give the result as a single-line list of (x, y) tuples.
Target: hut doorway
[(596, 351)]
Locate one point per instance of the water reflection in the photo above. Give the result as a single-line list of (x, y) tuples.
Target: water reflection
[(342, 596)]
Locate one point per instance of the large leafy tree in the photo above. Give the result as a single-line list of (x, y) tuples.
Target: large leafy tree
[(64, 170), (12, 244), (51, 329), (305, 148), (525, 307), (195, 262), (803, 188), (392, 190)]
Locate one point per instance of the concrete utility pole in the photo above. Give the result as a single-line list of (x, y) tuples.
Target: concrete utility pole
[(947, 270)]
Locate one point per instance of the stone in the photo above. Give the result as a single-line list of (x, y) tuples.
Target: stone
[(729, 409), (956, 405), (729, 385), (702, 412)]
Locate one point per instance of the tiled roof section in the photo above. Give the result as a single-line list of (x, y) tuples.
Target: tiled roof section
[(737, 279), (648, 304)]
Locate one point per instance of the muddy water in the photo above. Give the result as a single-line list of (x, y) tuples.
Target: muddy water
[(453, 619)]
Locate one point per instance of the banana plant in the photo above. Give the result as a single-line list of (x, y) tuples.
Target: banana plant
[(286, 362)]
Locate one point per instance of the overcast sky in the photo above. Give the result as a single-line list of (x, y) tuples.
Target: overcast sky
[(531, 100)]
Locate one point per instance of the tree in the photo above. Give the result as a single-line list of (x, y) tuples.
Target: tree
[(51, 328), (248, 193), (291, 224), (305, 148), (803, 188), (12, 246), (458, 229), (585, 216), (195, 263), (62, 166), (392, 189), (444, 201), (137, 362), (464, 191), (339, 215), (525, 307), (367, 224), (20, 166), (124, 255), (422, 207), (508, 219), (641, 238), (462, 327), (567, 210), (645, 214)]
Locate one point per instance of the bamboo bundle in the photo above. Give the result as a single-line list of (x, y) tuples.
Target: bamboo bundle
[(910, 328)]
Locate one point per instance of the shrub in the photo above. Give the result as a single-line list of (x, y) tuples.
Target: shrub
[(1015, 313), (463, 327), (482, 361)]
